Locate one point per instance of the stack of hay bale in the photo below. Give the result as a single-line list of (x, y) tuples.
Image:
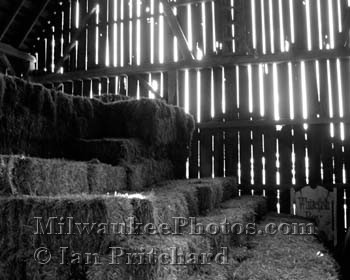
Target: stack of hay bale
[(145, 141), (61, 155)]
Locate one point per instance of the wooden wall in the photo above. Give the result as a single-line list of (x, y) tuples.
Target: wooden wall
[(269, 124)]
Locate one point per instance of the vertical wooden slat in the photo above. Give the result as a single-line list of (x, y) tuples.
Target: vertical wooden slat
[(86, 88), (300, 25), (267, 26), (218, 136), (313, 143), (269, 132), (208, 24), (205, 135), (257, 132), (73, 52), (82, 39), (102, 36), (145, 34), (125, 41), (244, 132), (77, 87), (285, 143), (231, 135), (91, 36), (193, 172)]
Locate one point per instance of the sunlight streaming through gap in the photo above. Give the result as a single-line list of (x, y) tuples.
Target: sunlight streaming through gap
[(223, 105), (303, 90), (331, 23), (187, 94), (282, 39), (138, 33), (345, 210), (212, 94), (330, 99), (308, 25), (292, 29), (212, 158), (261, 91), (319, 21), (233, 26), (252, 3), (339, 16), (53, 43), (318, 82), (204, 29), (263, 26), (189, 27), (161, 34), (275, 92), (131, 31), (272, 34), (97, 33), (77, 14), (122, 33), (340, 90), (152, 31), (199, 96), (291, 91), (278, 175), (115, 34), (213, 25), (237, 86), (250, 89)]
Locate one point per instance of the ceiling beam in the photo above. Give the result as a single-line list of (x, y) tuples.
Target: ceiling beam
[(13, 17), (11, 51), (177, 30), (31, 26), (213, 61)]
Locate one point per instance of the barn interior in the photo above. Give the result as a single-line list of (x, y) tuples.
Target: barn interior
[(133, 131)]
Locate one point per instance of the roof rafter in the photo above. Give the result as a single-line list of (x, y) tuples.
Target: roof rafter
[(38, 15), (13, 17)]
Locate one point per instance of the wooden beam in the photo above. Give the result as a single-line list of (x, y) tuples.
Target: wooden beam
[(214, 61), (31, 26), (266, 123), (13, 17), (75, 37), (11, 51), (177, 30), (4, 60), (186, 2), (147, 86), (344, 37)]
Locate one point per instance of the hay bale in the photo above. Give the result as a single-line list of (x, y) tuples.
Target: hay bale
[(256, 204), (287, 256), (111, 151), (109, 98), (147, 172), (84, 114), (150, 120), (103, 178), (148, 270), (18, 225), (35, 176)]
